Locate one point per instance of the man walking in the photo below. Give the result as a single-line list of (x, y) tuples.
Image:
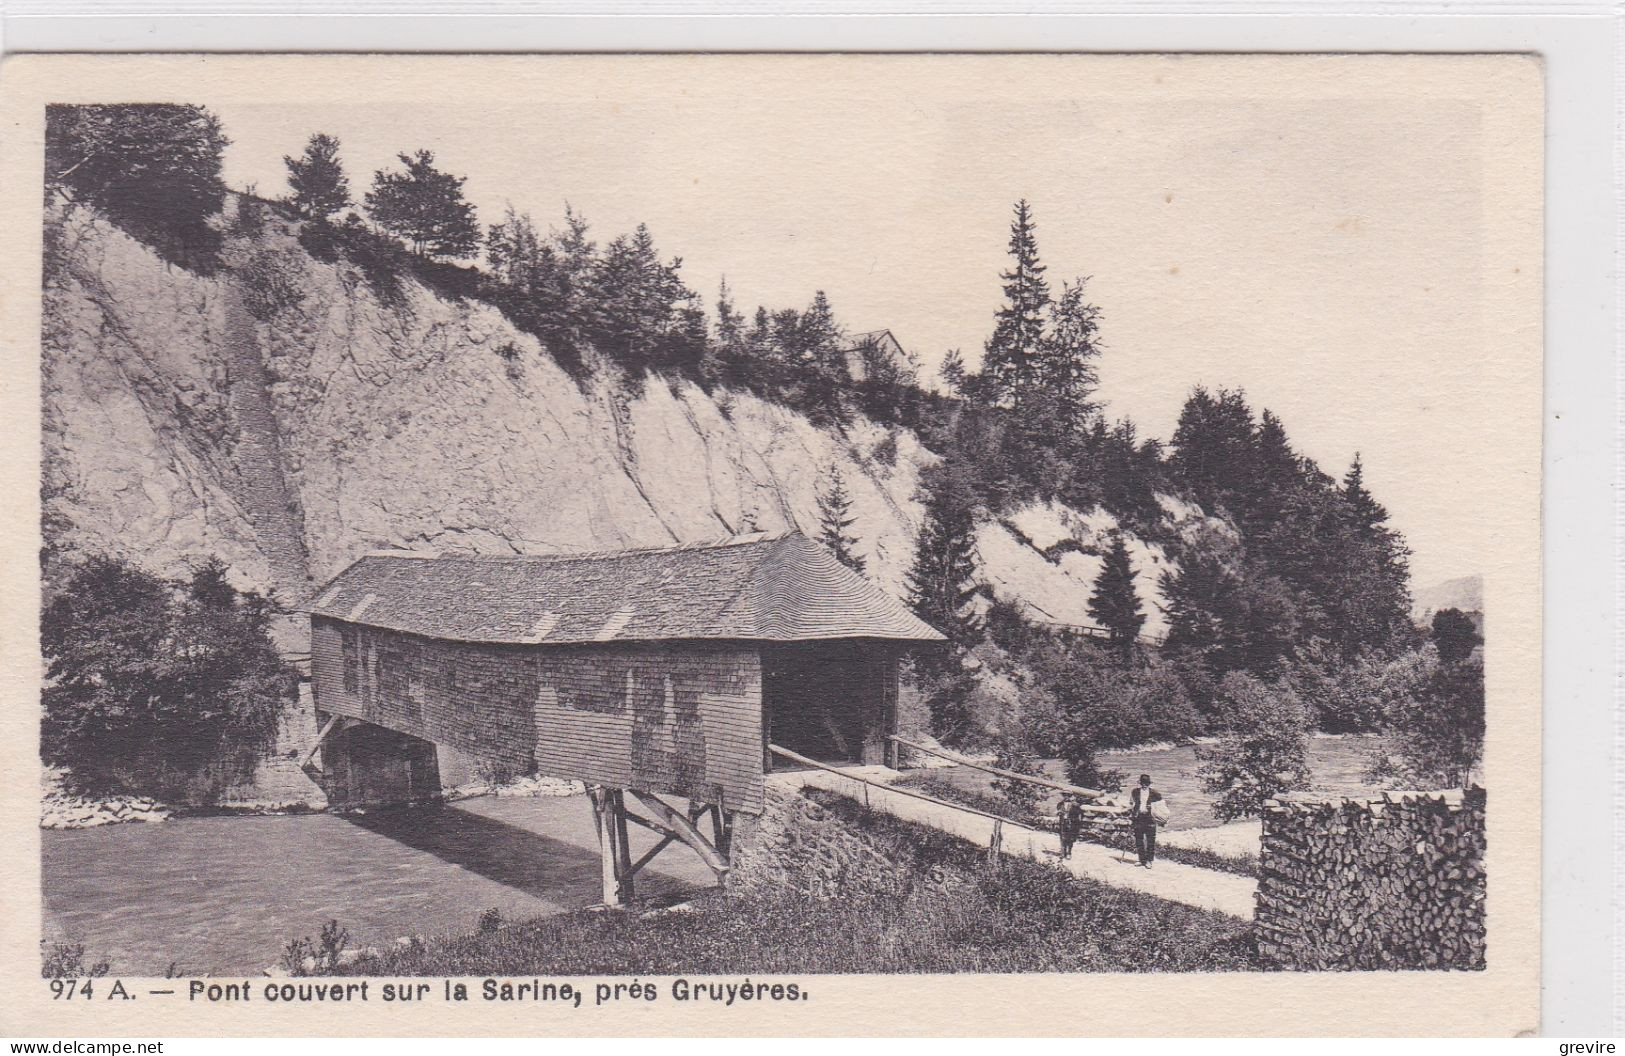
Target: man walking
[(1145, 813), (1068, 820)]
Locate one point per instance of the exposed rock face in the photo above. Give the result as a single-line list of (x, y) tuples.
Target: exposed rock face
[(282, 415), (395, 425)]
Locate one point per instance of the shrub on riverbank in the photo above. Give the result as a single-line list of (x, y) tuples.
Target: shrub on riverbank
[(957, 912), (157, 687)]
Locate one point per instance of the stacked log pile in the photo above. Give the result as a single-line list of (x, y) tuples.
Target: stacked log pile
[(1389, 882)]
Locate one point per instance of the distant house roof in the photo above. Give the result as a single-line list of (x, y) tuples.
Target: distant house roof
[(778, 588), (871, 337)]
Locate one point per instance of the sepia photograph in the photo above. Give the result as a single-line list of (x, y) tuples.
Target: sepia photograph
[(788, 517)]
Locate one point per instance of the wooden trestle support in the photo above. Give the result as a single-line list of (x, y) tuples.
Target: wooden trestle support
[(611, 815)]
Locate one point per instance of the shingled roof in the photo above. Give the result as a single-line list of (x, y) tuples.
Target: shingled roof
[(778, 588)]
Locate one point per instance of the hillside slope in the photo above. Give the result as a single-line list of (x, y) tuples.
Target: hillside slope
[(282, 415)]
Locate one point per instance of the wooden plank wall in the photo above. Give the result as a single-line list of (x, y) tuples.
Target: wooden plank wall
[(682, 718)]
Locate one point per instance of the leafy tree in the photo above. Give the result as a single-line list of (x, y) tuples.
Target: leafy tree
[(1093, 701), (1358, 694), (317, 180), (151, 682), (1436, 738), (942, 582), (153, 168), (424, 206), (1264, 752), (834, 519), (948, 691), (1455, 635), (1115, 604), (1010, 367)]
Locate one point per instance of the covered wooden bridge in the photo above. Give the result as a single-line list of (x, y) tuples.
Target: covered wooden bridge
[(642, 673)]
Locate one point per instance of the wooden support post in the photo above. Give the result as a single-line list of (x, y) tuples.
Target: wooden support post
[(995, 846), (722, 829), (623, 850), (605, 819)]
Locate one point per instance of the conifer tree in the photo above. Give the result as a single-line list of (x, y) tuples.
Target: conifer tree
[(942, 581), (1114, 603), (730, 323), (1066, 368), (317, 180), (820, 337), (1010, 364), (424, 206), (834, 519), (1375, 602), (1366, 513)]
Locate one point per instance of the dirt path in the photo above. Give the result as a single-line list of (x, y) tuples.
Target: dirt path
[(1186, 884)]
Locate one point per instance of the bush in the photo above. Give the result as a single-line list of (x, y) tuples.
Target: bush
[(322, 955), (67, 961), (1020, 797), (948, 699), (1265, 751), (151, 682)]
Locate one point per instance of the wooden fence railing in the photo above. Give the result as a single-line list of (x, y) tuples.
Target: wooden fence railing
[(1011, 775)]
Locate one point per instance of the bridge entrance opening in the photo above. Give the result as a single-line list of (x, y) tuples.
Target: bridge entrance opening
[(830, 701)]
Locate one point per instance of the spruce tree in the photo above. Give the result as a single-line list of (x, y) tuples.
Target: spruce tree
[(942, 581), (1066, 370), (424, 206), (317, 180), (1010, 360), (730, 323), (834, 518), (1365, 512), (1374, 606), (1115, 604)]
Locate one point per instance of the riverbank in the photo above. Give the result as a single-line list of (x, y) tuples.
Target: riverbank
[(936, 905), (222, 895)]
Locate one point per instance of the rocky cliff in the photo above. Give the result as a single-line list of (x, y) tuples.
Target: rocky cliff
[(282, 414)]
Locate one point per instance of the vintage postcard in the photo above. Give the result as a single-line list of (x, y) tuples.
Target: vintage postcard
[(772, 544)]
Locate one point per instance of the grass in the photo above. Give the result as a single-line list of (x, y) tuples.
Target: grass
[(956, 912)]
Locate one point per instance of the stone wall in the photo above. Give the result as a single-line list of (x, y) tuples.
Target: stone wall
[(1392, 882), (797, 845)]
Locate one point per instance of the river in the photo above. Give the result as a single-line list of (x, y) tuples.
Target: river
[(222, 895)]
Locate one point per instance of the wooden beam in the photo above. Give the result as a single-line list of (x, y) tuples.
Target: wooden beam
[(679, 826), (333, 724), (1009, 775), (637, 819), (648, 856)]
